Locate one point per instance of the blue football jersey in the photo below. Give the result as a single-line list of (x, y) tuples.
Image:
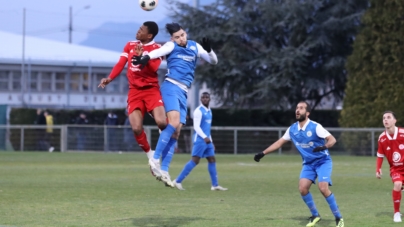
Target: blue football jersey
[(205, 115), (181, 63), (311, 135)]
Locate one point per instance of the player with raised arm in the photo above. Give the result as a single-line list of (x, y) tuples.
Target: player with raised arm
[(203, 145), (181, 55), (144, 94), (312, 141), (391, 146)]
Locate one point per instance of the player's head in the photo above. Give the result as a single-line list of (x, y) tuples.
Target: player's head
[(389, 119), (303, 110), (205, 99), (177, 33), (147, 31)]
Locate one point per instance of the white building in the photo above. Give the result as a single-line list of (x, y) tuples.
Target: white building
[(50, 74)]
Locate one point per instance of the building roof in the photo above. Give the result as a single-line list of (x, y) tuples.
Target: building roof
[(49, 52)]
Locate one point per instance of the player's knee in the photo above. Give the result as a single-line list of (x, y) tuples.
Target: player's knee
[(303, 190), (398, 185), (195, 160), (211, 159), (162, 124), (137, 129), (323, 187)]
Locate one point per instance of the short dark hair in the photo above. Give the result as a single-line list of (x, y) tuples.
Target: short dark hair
[(173, 28), (308, 107), (152, 27), (390, 112), (205, 93)]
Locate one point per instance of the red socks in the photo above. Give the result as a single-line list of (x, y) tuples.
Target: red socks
[(396, 200), (142, 141)]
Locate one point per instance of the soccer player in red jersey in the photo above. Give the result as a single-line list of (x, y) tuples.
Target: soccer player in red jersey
[(391, 146), (144, 90)]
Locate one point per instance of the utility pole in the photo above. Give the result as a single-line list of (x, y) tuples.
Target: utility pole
[(23, 58), (70, 24), (195, 102)]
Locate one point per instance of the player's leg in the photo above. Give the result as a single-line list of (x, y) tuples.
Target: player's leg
[(168, 151), (210, 157), (324, 181), (397, 179), (182, 119), (307, 178), (197, 152), (136, 122), (170, 96)]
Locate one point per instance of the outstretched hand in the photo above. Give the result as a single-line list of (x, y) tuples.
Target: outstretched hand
[(140, 60), (258, 156), (104, 82), (319, 148), (206, 44)]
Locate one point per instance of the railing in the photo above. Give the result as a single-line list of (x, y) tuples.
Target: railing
[(230, 140)]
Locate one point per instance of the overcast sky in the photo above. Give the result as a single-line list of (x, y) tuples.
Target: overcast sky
[(49, 19)]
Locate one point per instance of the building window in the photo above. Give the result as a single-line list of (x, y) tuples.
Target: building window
[(16, 78), (60, 82), (74, 81), (4, 80), (84, 84), (33, 84), (113, 87), (46, 81)]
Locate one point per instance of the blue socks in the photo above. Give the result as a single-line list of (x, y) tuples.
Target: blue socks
[(213, 173), (167, 154), (333, 206), (187, 169), (163, 141), (308, 199)]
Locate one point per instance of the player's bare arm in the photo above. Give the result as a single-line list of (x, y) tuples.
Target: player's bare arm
[(330, 141), (273, 147)]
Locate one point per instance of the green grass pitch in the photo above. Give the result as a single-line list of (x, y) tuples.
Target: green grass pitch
[(111, 189)]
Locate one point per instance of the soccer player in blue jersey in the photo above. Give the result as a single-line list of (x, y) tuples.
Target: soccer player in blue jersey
[(181, 55), (312, 141), (203, 146)]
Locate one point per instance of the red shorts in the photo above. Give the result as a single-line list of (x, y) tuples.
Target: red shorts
[(397, 176), (144, 100)]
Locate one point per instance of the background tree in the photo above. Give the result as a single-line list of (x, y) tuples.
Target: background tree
[(273, 54), (376, 67)]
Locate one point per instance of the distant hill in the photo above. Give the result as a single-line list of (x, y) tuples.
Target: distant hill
[(113, 36)]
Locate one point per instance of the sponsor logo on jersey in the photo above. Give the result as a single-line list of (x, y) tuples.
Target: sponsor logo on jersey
[(208, 121), (309, 133), (396, 156), (186, 57), (303, 145), (401, 146), (401, 130)]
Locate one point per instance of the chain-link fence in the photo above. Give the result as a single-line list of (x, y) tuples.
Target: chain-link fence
[(228, 140)]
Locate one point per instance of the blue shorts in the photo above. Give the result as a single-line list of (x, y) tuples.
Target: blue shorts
[(321, 170), (203, 150), (174, 98)]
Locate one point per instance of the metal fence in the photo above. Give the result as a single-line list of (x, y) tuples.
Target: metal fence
[(227, 140)]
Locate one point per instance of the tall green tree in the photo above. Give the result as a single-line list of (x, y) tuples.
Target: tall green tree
[(272, 53), (376, 67)]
